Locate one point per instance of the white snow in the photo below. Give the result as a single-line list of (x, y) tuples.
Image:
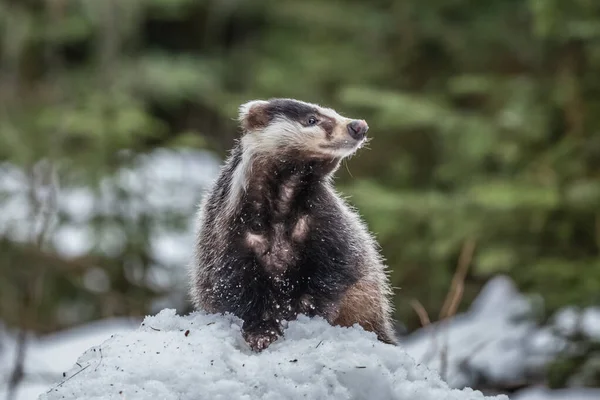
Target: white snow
[(572, 320), (496, 341), (203, 356), (47, 357)]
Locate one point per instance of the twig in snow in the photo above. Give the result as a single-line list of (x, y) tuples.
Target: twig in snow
[(454, 297), (450, 306), (18, 370), (69, 378), (41, 208), (425, 321), (421, 312), (457, 287)]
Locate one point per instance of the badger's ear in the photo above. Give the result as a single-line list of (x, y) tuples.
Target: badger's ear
[(253, 115)]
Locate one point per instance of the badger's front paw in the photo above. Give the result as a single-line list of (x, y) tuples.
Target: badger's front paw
[(306, 305), (258, 341)]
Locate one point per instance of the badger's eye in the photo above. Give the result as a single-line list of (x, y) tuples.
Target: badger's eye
[(312, 121)]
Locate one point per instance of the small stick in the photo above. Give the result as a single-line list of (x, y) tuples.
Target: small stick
[(69, 378), (421, 312)]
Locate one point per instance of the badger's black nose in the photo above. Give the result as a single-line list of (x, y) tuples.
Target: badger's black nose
[(358, 129)]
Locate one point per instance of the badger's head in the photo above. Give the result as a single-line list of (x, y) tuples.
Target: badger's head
[(287, 125)]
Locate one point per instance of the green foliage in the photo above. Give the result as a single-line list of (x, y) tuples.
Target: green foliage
[(578, 367), (484, 117)]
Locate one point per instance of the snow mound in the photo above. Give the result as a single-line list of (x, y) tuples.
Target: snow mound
[(47, 357), (203, 356), (495, 343)]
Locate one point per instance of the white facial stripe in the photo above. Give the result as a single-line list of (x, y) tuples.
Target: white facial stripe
[(328, 112), (280, 133)]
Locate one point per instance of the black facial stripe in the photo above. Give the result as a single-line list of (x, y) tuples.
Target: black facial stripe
[(290, 109)]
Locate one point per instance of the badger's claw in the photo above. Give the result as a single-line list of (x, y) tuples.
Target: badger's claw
[(306, 305), (258, 341)]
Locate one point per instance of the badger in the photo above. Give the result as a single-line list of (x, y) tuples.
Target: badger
[(274, 239)]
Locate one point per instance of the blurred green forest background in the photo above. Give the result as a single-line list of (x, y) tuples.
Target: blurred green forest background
[(485, 118)]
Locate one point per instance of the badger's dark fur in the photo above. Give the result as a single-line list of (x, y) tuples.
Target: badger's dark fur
[(275, 240)]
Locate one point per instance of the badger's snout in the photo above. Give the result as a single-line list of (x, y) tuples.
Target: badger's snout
[(358, 129)]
